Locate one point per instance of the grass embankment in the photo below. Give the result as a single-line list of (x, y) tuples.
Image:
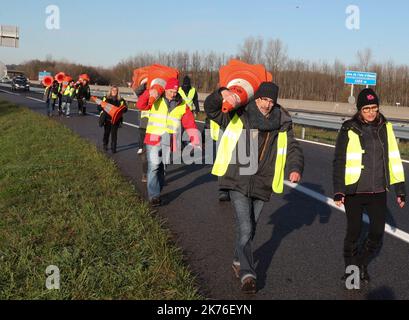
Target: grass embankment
[(63, 203), (330, 137)]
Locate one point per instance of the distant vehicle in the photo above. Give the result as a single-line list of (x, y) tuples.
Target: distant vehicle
[(20, 83), (5, 79)]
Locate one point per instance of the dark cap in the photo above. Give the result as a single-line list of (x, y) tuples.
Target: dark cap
[(366, 97), (267, 90)]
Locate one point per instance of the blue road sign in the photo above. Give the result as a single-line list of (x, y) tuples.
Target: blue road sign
[(42, 75), (360, 78)]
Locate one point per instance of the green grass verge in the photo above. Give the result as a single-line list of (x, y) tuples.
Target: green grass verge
[(330, 137), (63, 203)]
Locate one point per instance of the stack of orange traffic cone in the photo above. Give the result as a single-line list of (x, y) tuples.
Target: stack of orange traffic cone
[(158, 75), (243, 80)]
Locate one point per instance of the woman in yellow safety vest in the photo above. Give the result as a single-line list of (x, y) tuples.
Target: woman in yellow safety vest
[(367, 161), (257, 145), (111, 128)]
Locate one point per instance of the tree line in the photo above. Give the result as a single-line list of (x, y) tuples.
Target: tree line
[(298, 79)]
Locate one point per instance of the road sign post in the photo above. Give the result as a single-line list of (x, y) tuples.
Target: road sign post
[(359, 78)]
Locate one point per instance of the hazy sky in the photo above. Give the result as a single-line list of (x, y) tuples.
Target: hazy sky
[(105, 32)]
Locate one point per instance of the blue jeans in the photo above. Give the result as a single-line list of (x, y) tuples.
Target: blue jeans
[(158, 157), (247, 212), (51, 105)]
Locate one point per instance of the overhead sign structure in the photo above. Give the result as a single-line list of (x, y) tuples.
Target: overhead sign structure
[(9, 36), (360, 78), (3, 70), (42, 75)]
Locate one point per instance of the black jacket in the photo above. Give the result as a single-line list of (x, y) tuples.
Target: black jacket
[(258, 185), (84, 92), (375, 174)]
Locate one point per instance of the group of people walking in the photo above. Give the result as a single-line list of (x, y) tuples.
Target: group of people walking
[(366, 162), (61, 96)]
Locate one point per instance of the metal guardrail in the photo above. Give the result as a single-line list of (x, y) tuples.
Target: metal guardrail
[(335, 123), (301, 118)]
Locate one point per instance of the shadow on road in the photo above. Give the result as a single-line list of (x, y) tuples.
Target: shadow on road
[(183, 171), (299, 211), (381, 293)]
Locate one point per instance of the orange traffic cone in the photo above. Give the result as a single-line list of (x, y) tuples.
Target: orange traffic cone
[(67, 79), (140, 76), (158, 75), (65, 83), (60, 77), (84, 77), (114, 111), (47, 81), (243, 80)]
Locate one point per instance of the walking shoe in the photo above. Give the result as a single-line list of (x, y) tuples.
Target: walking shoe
[(248, 286), (144, 178), (236, 270), (155, 202), (140, 151), (105, 147), (364, 275)]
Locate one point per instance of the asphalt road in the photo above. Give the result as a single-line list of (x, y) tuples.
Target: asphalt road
[(298, 246)]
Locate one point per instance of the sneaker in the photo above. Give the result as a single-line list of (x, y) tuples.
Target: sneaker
[(140, 151), (236, 270), (248, 286), (144, 178), (105, 147), (155, 202)]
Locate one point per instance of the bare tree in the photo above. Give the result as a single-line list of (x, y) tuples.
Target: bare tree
[(252, 50), (364, 59), (275, 55)]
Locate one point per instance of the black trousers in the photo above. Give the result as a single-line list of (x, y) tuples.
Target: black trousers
[(375, 205), (111, 129), (82, 106)]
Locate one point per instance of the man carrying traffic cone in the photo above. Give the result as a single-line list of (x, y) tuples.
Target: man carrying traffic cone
[(166, 117), (264, 128)]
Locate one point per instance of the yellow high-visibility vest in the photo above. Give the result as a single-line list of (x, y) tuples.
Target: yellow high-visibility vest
[(189, 98), (144, 114), (69, 91), (214, 130), (161, 121), (353, 165), (396, 172), (228, 143)]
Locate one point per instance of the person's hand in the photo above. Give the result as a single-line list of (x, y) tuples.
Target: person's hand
[(339, 199), (401, 201), (295, 177), (230, 97)]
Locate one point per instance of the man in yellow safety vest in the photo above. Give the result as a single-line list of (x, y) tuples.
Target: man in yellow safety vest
[(166, 118), (257, 145)]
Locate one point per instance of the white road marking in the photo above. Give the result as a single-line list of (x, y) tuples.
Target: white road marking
[(397, 233), (35, 99), (126, 123), (12, 93)]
